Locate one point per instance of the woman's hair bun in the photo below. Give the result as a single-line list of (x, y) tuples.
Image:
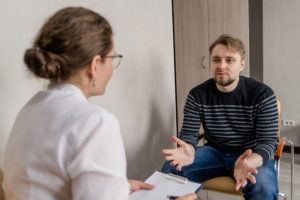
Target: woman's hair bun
[(39, 63)]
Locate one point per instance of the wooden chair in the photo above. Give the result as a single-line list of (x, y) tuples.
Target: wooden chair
[(226, 184), (1, 190)]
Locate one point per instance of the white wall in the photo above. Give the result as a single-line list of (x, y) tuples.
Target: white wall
[(281, 42), (142, 91)]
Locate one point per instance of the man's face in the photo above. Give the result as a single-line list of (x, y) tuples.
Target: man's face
[(226, 66)]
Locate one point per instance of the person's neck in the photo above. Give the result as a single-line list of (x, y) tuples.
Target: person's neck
[(228, 88), (80, 83)]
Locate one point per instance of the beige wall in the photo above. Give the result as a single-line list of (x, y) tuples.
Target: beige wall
[(281, 42), (142, 91)]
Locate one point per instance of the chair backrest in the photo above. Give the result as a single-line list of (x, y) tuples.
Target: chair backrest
[(282, 141), (279, 115)]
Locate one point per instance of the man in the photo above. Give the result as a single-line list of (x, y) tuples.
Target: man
[(240, 120)]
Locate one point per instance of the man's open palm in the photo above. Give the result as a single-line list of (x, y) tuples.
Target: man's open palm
[(181, 156), (242, 171)]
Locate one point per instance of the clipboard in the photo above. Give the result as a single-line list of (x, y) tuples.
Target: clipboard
[(165, 185)]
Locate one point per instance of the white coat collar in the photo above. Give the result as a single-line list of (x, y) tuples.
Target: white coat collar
[(72, 89)]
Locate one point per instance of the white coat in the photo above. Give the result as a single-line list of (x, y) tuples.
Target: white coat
[(63, 147)]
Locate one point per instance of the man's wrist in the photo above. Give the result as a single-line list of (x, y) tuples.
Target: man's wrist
[(255, 160), (192, 148)]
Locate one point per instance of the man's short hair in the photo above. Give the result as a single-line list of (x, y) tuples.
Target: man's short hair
[(232, 43)]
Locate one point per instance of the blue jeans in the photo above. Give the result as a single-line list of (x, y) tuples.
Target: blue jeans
[(210, 163)]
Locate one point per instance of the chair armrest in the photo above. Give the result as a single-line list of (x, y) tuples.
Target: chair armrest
[(281, 144)]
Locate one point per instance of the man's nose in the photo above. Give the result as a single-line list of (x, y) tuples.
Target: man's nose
[(222, 64)]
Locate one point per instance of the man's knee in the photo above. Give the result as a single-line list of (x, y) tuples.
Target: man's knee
[(261, 190), (167, 168), (266, 184)]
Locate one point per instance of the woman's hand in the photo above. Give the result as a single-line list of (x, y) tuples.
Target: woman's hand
[(188, 197), (181, 156), (139, 185)]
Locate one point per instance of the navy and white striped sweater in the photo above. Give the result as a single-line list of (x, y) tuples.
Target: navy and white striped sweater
[(245, 118)]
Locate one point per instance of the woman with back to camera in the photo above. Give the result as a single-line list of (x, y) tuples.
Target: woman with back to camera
[(61, 146)]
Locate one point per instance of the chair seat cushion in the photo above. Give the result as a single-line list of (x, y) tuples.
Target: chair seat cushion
[(223, 184)]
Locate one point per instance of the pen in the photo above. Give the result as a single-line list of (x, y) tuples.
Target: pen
[(172, 197)]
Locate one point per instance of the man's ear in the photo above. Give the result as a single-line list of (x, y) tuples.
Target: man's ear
[(94, 66), (243, 63)]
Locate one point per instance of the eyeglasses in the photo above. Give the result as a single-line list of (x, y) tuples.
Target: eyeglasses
[(116, 60)]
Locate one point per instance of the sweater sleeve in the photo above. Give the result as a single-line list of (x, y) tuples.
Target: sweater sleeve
[(267, 128), (191, 122)]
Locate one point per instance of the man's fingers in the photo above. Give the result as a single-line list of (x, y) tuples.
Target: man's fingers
[(244, 183), (246, 154), (169, 157), (252, 178), (168, 151), (173, 163), (238, 185), (179, 167), (178, 141), (254, 171)]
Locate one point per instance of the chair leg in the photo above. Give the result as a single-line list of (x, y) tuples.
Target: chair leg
[(292, 167), (277, 167), (207, 197), (282, 195)]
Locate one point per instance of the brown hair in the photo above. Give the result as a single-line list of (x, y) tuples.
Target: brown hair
[(232, 43), (67, 42)]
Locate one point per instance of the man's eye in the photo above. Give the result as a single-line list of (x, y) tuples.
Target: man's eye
[(229, 60), (216, 60)]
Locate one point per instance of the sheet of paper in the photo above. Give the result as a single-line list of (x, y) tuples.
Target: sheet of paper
[(165, 187)]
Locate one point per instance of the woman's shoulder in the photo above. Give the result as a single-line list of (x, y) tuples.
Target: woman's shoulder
[(70, 98), (90, 116), (96, 111)]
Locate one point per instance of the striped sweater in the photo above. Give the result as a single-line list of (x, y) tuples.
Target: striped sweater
[(244, 118)]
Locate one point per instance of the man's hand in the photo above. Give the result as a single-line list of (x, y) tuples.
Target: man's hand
[(245, 167), (181, 156), (188, 197), (139, 185)]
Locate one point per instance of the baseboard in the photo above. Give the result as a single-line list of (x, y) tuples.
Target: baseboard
[(287, 149)]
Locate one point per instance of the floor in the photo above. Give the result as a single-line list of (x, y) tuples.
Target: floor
[(284, 182)]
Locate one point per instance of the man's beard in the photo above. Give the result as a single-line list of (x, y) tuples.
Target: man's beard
[(224, 83)]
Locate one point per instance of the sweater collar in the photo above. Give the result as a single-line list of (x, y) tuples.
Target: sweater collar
[(236, 90)]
